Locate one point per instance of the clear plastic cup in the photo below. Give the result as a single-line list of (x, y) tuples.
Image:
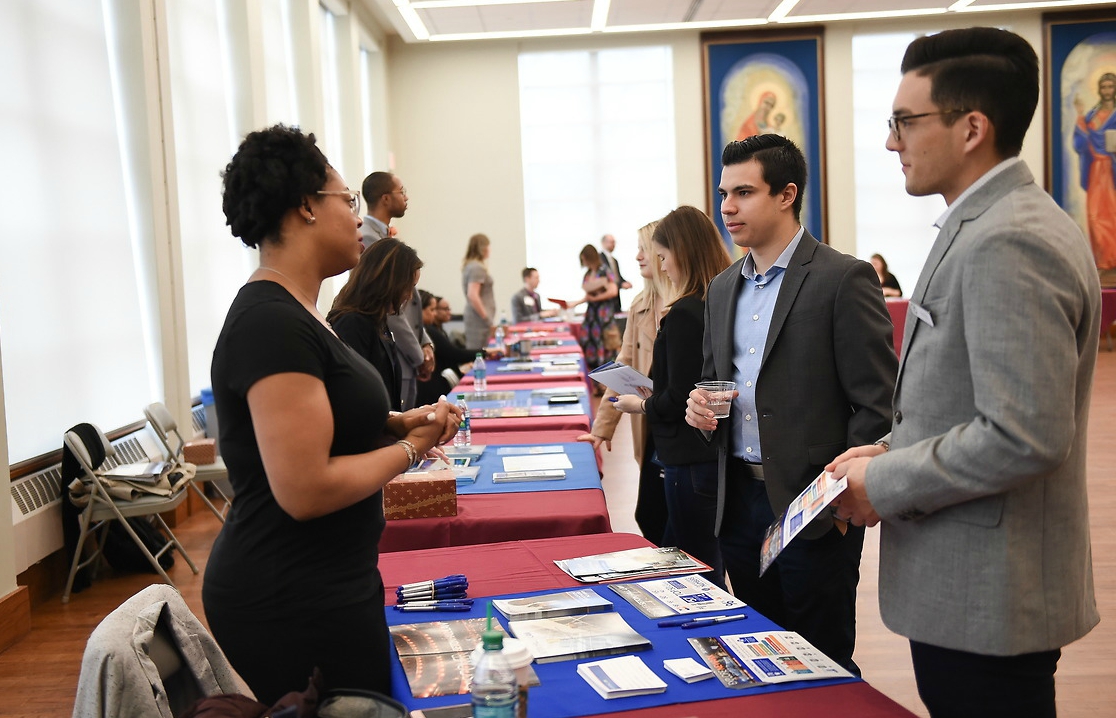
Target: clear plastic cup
[(718, 396)]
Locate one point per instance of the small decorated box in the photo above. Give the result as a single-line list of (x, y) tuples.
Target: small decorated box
[(421, 495), (200, 452)]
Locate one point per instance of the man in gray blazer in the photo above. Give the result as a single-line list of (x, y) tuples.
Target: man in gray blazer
[(804, 332), (985, 563), (387, 200)]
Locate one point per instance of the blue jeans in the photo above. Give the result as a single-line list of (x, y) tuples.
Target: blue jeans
[(811, 587), (691, 498)]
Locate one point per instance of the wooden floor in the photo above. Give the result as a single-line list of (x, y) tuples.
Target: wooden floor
[(38, 676)]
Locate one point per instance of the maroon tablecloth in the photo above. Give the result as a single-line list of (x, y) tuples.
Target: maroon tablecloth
[(1108, 313), (488, 518), (518, 566), (897, 308)]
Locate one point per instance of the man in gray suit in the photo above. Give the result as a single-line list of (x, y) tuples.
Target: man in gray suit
[(804, 332), (985, 563), (414, 351)]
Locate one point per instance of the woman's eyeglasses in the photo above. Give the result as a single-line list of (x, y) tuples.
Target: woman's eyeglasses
[(354, 198)]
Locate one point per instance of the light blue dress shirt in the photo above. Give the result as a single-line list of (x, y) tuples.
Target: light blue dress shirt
[(754, 306)]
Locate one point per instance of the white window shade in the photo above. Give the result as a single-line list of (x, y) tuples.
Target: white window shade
[(214, 263), (70, 322), (598, 155), (889, 221)]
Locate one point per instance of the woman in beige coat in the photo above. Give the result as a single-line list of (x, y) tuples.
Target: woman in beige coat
[(647, 309)]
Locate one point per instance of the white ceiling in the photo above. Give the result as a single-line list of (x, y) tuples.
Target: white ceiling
[(442, 20)]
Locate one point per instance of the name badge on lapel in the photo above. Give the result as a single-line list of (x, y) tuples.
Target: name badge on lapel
[(922, 313)]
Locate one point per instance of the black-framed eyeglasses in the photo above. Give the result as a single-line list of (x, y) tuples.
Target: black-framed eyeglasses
[(896, 123), (354, 197)]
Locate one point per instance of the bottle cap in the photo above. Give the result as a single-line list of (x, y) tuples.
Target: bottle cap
[(492, 640), (460, 396)]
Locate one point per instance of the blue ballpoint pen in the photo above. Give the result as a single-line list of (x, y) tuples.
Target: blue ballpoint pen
[(452, 579), (699, 622), (679, 620), (443, 587), (444, 593), (440, 606)]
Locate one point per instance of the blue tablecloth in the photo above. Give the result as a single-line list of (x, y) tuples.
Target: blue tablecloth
[(563, 693), (523, 398), (583, 475), (493, 369)]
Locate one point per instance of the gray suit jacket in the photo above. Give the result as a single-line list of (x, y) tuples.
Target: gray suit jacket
[(408, 332), (827, 373), (985, 540)]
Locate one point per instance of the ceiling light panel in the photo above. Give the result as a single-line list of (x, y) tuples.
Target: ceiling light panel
[(646, 12), (719, 10), (1023, 5), (832, 7), (519, 17)]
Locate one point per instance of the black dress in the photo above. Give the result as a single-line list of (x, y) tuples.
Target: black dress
[(283, 596)]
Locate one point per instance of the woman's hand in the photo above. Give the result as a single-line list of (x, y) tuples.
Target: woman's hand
[(596, 441), (629, 404), (644, 392), (428, 434), (401, 425)]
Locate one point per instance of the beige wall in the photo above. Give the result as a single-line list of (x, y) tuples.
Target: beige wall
[(455, 137)]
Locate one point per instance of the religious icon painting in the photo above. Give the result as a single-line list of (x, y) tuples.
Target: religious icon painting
[(766, 82), (1080, 87)]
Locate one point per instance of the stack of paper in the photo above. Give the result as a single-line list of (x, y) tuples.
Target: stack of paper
[(551, 605), (676, 596), (569, 637), (621, 677), (632, 563)]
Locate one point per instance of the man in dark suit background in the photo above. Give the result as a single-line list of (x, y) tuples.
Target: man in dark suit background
[(805, 333), (608, 246)]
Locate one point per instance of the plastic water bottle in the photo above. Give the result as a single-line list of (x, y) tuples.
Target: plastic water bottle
[(501, 334), (480, 374), (494, 690), (464, 436)]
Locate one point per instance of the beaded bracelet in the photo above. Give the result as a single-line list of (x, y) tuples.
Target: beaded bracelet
[(412, 454)]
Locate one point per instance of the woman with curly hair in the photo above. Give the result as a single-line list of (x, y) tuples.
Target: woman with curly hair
[(291, 583), (382, 283)]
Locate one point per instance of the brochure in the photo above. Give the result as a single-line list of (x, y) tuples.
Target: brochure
[(621, 378), (749, 659), (537, 462), (621, 677), (569, 637), (646, 562), (676, 596), (814, 499), (552, 605)]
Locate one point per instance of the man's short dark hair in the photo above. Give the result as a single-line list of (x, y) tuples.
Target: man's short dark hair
[(779, 158), (527, 272), (985, 69), (376, 185)]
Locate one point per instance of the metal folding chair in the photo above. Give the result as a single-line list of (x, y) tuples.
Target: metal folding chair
[(164, 426), (102, 509)]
